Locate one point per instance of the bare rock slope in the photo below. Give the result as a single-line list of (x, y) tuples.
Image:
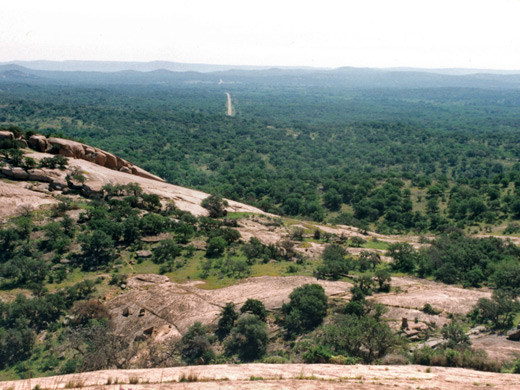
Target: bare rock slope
[(98, 167), (155, 307), (278, 376)]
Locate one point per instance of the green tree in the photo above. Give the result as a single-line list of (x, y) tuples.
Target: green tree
[(195, 345), (166, 251), (499, 310), (306, 309), (455, 336), (256, 307), (216, 247), (335, 264), (215, 205), (227, 319), (249, 338), (404, 255), (332, 199), (98, 248)]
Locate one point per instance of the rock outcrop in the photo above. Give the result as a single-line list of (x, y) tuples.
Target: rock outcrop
[(6, 135), (73, 149), (39, 143), (514, 335)]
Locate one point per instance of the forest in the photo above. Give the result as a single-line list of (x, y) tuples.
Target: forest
[(440, 163), (395, 160)]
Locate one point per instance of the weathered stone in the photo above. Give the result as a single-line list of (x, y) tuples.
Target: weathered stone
[(19, 173), (100, 158), (200, 245), (75, 184), (7, 171), (143, 280), (514, 335), (40, 175), (477, 330), (68, 148), (144, 253), (125, 169), (39, 143), (92, 188), (90, 153), (58, 185), (6, 135), (120, 163), (111, 161)]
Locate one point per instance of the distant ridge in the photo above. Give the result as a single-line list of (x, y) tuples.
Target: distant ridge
[(345, 77), (118, 66)]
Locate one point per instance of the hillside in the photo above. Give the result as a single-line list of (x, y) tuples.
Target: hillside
[(123, 267)]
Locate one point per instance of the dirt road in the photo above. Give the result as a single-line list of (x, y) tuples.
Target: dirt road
[(229, 105)]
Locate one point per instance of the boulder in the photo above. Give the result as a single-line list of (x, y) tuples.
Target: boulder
[(92, 188), (514, 335), (144, 253), (39, 143), (120, 163), (111, 161), (433, 343), (90, 153), (125, 169), (40, 175), (58, 185), (74, 184), (7, 171), (100, 157), (19, 173), (6, 135), (68, 148)]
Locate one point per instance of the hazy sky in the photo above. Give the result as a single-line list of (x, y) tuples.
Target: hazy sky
[(375, 33)]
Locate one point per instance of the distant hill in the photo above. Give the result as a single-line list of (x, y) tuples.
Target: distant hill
[(345, 77), (118, 66)]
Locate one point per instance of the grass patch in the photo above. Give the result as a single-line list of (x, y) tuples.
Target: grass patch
[(382, 245)]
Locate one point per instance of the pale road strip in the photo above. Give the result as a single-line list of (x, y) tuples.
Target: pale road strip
[(229, 105)]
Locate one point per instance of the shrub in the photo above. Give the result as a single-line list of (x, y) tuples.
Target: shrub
[(215, 205), (54, 162), (428, 309), (317, 354)]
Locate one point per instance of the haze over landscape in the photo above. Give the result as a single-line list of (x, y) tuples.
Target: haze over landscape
[(374, 33), (257, 195)]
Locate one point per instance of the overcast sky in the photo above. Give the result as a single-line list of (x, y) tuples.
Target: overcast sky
[(374, 33)]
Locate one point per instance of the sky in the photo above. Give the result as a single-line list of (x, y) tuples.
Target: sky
[(325, 33)]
